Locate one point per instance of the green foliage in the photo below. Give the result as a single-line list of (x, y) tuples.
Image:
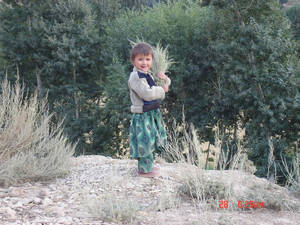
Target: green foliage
[(21, 40), (134, 4), (55, 46), (111, 137), (293, 13), (283, 1), (105, 11), (255, 65)]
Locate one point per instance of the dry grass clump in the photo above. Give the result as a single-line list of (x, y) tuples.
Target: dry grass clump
[(30, 149), (167, 200), (292, 173), (111, 208), (113, 205), (202, 191), (274, 197), (207, 188), (184, 144)]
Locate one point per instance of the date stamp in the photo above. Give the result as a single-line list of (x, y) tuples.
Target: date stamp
[(224, 204)]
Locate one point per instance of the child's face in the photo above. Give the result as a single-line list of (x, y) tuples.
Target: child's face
[(143, 62)]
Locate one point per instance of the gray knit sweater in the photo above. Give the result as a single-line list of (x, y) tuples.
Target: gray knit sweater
[(141, 91)]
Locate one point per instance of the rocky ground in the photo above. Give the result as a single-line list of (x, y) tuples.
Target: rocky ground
[(85, 195)]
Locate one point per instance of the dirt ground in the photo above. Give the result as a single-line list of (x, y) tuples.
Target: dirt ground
[(78, 198)]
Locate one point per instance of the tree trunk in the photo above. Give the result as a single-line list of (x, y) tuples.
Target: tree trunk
[(207, 156), (76, 102), (251, 61), (38, 81), (75, 97)]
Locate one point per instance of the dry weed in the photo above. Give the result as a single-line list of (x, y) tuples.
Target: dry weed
[(30, 149), (184, 144), (113, 206), (204, 192)]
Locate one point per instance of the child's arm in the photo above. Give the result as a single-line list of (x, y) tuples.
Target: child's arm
[(164, 77), (165, 87), (142, 88)]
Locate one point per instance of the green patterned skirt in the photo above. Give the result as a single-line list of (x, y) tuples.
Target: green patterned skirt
[(147, 134)]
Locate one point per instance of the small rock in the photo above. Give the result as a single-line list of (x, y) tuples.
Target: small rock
[(18, 204), (66, 220), (37, 201), (47, 201), (4, 190), (10, 213), (16, 192), (3, 195), (42, 193), (58, 211)]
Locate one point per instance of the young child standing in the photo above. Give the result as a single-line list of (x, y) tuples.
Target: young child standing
[(147, 131)]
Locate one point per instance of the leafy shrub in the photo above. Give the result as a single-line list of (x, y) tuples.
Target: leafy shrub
[(293, 13)]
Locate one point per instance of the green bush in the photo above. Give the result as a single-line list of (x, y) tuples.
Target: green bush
[(293, 13)]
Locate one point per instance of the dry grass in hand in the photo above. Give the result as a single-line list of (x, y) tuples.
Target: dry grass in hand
[(30, 149), (161, 63)]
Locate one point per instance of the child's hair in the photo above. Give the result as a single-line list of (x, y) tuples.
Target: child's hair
[(141, 48)]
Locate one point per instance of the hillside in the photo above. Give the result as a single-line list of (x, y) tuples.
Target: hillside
[(102, 190)]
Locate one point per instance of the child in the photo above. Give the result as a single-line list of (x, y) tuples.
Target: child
[(147, 131)]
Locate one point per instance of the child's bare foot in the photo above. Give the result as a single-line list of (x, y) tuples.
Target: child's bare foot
[(154, 173), (156, 168)]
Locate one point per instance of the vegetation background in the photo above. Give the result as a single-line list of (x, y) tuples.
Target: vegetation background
[(237, 72)]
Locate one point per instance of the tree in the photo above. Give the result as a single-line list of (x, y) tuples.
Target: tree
[(254, 57), (22, 43), (58, 42), (293, 13), (73, 39), (283, 1)]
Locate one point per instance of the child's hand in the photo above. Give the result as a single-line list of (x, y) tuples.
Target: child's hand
[(165, 87), (162, 75)]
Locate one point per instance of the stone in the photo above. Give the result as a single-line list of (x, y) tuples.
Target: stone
[(56, 211), (11, 214), (16, 192), (47, 201)]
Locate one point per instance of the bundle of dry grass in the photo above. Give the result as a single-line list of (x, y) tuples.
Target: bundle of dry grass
[(30, 149), (161, 63)]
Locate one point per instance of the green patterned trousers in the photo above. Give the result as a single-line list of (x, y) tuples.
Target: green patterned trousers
[(147, 137)]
